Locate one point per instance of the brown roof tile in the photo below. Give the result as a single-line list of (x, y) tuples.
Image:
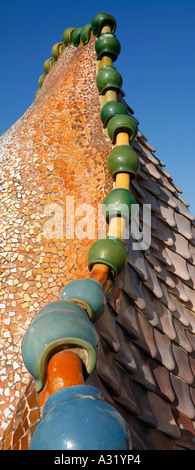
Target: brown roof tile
[(143, 375), (137, 261), (151, 199), (181, 336), (145, 410), (152, 282), (95, 381), (150, 310), (191, 296), (136, 144), (166, 276), (150, 147), (186, 203), (180, 245), (183, 225), (146, 150), (163, 233), (139, 432), (141, 176), (193, 231), (155, 263), (105, 370), (191, 270), (162, 253), (182, 209), (151, 169), (183, 368), (166, 196), (179, 265), (190, 317), (164, 350), (133, 287), (162, 441), (167, 184), (146, 336), (191, 338), (165, 173), (192, 252), (162, 377), (127, 398), (152, 225), (106, 327), (125, 355), (127, 316), (192, 364), (138, 189), (183, 402), (150, 185), (165, 320), (192, 389), (165, 420), (187, 438), (168, 299), (179, 289), (166, 214), (179, 311)]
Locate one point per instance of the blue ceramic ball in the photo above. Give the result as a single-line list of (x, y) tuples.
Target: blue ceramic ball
[(78, 418)]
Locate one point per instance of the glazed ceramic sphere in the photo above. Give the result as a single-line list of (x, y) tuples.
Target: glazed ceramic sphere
[(57, 49), (87, 292), (108, 77), (118, 202), (77, 418), (108, 251), (67, 35), (86, 33), (123, 158), (41, 79), (57, 325), (122, 123), (107, 44), (111, 108), (48, 64), (76, 36), (100, 20)]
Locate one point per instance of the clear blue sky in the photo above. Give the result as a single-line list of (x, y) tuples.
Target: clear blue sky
[(157, 63)]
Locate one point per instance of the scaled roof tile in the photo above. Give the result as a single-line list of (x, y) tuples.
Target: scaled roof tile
[(165, 420), (164, 350), (183, 401), (162, 377), (187, 438), (183, 368)]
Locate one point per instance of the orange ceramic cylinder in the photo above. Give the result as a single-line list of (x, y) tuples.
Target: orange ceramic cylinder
[(102, 274), (64, 370)]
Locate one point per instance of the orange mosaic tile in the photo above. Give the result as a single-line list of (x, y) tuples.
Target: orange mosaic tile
[(60, 132), (21, 427)]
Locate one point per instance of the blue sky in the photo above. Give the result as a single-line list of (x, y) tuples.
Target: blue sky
[(157, 63)]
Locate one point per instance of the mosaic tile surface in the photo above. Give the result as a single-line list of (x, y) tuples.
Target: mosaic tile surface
[(56, 150), (146, 363)]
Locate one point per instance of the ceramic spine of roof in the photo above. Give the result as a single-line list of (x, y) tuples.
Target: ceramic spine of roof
[(69, 320), (71, 36)]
